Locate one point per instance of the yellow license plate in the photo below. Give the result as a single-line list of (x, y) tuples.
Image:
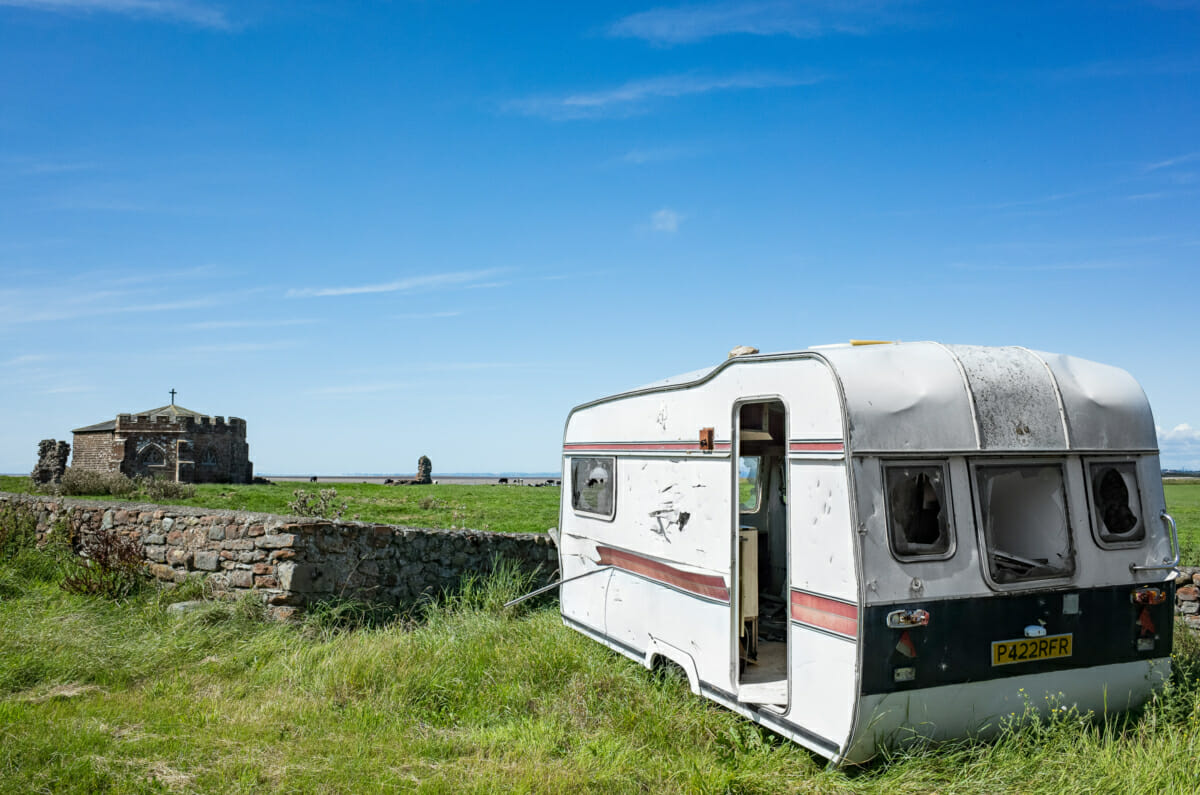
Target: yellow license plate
[(1006, 652)]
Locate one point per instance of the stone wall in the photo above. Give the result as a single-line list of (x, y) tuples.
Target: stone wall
[(291, 561)]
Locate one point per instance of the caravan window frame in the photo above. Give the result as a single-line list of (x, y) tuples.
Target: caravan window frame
[(985, 546), (1094, 518), (612, 475), (947, 507)]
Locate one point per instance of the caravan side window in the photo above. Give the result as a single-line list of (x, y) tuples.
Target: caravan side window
[(749, 482), (1116, 503), (593, 486), (1023, 513), (918, 511)]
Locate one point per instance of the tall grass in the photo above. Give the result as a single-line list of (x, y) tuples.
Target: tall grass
[(461, 695)]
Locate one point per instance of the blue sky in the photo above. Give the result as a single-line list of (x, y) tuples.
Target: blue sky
[(379, 230)]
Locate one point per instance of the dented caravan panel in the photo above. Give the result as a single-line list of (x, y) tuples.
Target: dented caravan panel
[(666, 549)]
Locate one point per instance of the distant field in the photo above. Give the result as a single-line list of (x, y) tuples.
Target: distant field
[(509, 509), (501, 509)]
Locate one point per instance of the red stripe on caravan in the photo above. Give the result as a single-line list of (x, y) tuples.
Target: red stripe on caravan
[(816, 447), (827, 614), (639, 447), (707, 585)]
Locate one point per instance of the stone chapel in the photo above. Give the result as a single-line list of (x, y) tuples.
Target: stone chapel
[(168, 442)]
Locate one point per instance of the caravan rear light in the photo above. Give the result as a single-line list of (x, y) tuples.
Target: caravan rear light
[(1148, 596), (905, 619)]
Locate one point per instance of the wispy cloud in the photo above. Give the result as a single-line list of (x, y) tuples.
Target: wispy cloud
[(691, 23), (666, 220), (25, 359), (36, 166), (21, 313), (406, 285), (219, 324), (1162, 66), (660, 154), (1053, 266), (238, 347), (427, 315), (1171, 162), (636, 95), (358, 389), (191, 12), (68, 390)]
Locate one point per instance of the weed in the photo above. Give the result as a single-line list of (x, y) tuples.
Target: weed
[(109, 564), (76, 482), (322, 504), (163, 489)]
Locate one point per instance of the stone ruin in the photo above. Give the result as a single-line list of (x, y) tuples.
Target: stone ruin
[(424, 471), (52, 462), (424, 475)]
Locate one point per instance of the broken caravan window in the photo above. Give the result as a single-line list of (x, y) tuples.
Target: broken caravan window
[(918, 512), (1023, 513), (592, 485), (1116, 503), (749, 482)]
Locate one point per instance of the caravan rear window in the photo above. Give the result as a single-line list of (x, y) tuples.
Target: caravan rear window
[(1116, 503), (592, 485), (1023, 513), (918, 513)]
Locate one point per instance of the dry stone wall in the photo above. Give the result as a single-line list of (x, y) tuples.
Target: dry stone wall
[(290, 561)]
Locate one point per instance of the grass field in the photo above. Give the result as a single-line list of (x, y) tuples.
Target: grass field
[(507, 509), (466, 697), (514, 509)]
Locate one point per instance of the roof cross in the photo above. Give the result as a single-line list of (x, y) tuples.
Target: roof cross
[(172, 397)]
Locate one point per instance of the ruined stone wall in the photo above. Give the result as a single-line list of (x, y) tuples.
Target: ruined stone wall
[(93, 451), (290, 561)]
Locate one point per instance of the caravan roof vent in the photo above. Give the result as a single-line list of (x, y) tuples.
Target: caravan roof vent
[(743, 350)]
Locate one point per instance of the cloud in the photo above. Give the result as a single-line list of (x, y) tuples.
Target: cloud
[(666, 220), (29, 358), (633, 96), (426, 315), (692, 23), (1173, 161), (1179, 447), (192, 12), (638, 157), (430, 281), (238, 347), (216, 324), (1162, 66)]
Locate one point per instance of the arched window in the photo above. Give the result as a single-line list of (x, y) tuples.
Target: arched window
[(152, 456)]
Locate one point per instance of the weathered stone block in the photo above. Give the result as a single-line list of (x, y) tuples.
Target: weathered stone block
[(256, 530), (179, 557), (238, 544), (1188, 593), (206, 560), (283, 554), (303, 578), (175, 538), (275, 541), (216, 533), (167, 524), (1190, 608), (158, 554), (266, 581), (154, 538), (264, 568), (240, 578)]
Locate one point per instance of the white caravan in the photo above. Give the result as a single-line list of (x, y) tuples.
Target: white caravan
[(857, 545)]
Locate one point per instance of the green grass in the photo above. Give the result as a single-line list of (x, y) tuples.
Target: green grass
[(507, 509), (1183, 503), (96, 697)]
